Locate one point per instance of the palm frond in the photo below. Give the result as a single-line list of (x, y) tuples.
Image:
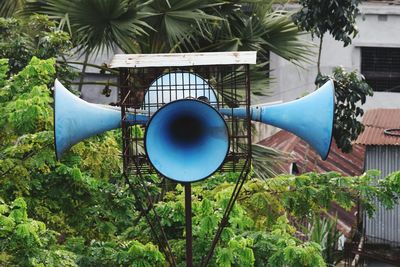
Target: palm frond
[(175, 21), (259, 84), (282, 37), (9, 8), (98, 25), (268, 162)]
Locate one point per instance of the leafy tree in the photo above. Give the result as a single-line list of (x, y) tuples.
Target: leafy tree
[(280, 248), (62, 194), (336, 17), (173, 26), (37, 35), (351, 91), (178, 26), (266, 217), (115, 253), (97, 24), (27, 242)]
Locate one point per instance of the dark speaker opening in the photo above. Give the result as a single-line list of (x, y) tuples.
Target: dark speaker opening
[(186, 130)]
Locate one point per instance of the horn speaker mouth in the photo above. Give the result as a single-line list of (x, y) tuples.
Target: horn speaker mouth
[(187, 140)]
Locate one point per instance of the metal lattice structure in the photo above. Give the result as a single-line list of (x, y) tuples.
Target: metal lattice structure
[(148, 82), (229, 83), (197, 116)]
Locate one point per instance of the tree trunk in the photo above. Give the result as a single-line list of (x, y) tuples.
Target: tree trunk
[(319, 55)]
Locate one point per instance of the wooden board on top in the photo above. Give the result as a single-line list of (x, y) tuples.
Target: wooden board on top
[(183, 59)]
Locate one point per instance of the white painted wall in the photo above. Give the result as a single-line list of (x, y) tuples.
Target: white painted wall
[(93, 93), (379, 25)]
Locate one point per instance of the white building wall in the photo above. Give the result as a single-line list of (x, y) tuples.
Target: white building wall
[(379, 26), (91, 92)]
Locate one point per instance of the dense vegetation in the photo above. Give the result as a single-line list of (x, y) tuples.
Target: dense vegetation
[(81, 212)]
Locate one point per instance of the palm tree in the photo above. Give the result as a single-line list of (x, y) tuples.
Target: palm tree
[(177, 25), (9, 8), (96, 25)]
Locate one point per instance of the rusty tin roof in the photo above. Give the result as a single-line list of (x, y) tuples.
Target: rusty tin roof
[(376, 121), (307, 160)]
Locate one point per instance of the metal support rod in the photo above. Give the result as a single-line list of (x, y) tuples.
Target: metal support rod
[(188, 216)]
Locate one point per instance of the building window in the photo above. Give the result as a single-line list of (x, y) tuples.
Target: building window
[(381, 68)]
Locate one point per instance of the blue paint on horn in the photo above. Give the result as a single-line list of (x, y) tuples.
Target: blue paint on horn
[(76, 119), (310, 117), (187, 140)]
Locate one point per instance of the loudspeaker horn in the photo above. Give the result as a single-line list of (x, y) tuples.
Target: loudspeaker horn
[(187, 140), (310, 117), (76, 119)]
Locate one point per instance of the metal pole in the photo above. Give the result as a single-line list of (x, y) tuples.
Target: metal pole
[(188, 216)]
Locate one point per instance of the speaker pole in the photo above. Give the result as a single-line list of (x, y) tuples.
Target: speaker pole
[(188, 217)]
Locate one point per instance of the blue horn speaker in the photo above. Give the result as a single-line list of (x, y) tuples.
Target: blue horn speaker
[(310, 117), (76, 119), (187, 140)]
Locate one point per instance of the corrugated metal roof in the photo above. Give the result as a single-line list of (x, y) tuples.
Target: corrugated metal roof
[(307, 160), (376, 136), (382, 118), (376, 121)]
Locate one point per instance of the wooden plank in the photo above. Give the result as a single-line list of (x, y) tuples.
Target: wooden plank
[(183, 59)]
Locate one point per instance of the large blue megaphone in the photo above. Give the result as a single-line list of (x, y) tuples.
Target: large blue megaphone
[(187, 140), (76, 119), (310, 117)]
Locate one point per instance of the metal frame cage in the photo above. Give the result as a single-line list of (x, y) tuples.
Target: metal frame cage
[(147, 82), (146, 89)]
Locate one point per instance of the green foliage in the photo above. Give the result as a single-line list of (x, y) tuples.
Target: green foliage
[(308, 194), (233, 249), (351, 92), (258, 231), (64, 195), (336, 17), (27, 242), (37, 35), (280, 248), (115, 253), (323, 231), (175, 21), (3, 71), (8, 8), (97, 24), (179, 26)]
